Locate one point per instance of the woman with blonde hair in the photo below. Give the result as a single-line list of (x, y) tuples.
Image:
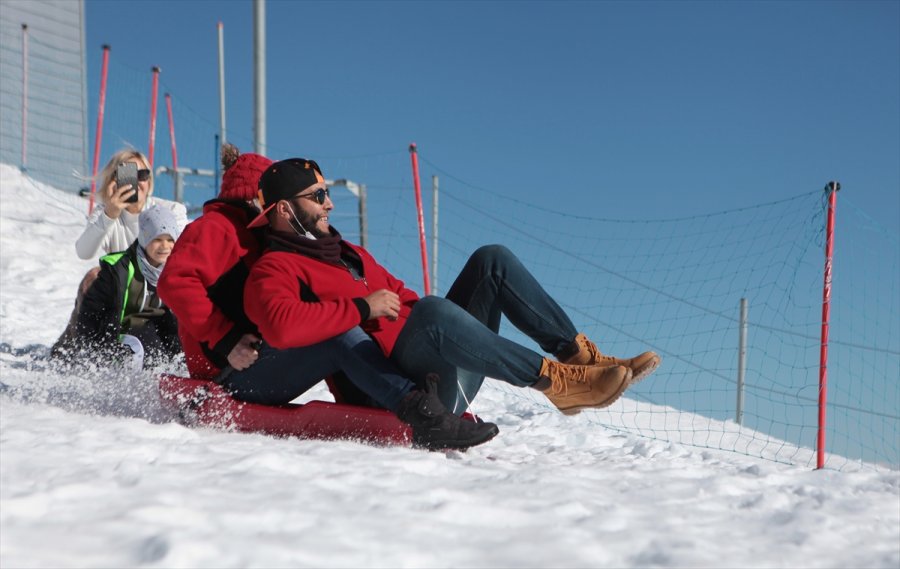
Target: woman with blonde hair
[(113, 225)]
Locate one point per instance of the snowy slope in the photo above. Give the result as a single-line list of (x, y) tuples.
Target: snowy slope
[(94, 472)]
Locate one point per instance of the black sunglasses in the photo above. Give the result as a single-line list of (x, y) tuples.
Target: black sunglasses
[(143, 175), (318, 195)]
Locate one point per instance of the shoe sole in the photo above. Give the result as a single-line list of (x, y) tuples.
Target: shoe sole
[(646, 370), (457, 445), (642, 374), (626, 383), (637, 375)]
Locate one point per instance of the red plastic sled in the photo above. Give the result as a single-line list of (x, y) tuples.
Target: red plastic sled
[(206, 403)]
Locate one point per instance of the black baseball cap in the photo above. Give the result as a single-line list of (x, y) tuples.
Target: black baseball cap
[(282, 181)]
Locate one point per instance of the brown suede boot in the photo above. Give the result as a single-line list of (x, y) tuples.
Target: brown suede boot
[(641, 365), (573, 388)]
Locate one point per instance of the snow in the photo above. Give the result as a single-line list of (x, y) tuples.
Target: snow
[(95, 472)]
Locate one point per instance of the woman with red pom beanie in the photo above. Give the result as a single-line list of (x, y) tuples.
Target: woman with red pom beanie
[(203, 282)]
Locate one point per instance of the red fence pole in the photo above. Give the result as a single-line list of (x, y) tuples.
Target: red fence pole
[(153, 90), (414, 155), (99, 134), (24, 96), (171, 132), (832, 189)]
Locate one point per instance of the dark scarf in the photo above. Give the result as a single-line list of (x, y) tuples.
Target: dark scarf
[(326, 249), (332, 249)]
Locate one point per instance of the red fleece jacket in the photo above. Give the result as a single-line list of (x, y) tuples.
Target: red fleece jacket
[(203, 283), (296, 300)]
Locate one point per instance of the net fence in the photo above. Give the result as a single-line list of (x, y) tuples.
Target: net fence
[(675, 286)]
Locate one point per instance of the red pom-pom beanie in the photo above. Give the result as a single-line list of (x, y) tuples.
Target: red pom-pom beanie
[(241, 180)]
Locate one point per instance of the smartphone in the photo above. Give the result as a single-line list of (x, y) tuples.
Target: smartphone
[(126, 173)]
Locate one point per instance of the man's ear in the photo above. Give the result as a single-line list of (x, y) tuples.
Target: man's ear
[(283, 210), (279, 214)]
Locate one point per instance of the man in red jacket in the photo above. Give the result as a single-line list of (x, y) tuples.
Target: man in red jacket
[(312, 285), (204, 287)]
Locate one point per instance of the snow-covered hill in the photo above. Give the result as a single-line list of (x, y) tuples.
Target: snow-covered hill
[(95, 473)]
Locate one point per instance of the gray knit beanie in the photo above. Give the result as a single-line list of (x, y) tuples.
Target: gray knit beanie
[(155, 221)]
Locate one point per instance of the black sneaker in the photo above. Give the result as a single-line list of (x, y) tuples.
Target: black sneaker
[(435, 428)]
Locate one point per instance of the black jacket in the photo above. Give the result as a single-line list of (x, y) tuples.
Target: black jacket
[(103, 310)]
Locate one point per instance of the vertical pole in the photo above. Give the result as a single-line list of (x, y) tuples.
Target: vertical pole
[(414, 156), (434, 234), (259, 75), (85, 143), (99, 133), (363, 218), (832, 189), (742, 363), (179, 186), (171, 131), (221, 83), (24, 96), (217, 181), (220, 138), (153, 90)]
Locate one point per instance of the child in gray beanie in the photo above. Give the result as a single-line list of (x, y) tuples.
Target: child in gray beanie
[(122, 305), (155, 221), (158, 230)]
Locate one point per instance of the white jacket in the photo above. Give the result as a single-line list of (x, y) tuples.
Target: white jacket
[(104, 235)]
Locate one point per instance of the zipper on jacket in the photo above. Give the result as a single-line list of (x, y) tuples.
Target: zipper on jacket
[(357, 276)]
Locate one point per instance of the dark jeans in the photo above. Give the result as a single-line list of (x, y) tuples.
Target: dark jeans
[(456, 338), (278, 376)]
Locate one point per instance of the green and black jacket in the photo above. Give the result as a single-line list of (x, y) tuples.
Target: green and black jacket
[(112, 307)]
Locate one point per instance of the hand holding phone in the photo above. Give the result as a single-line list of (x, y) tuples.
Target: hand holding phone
[(126, 173)]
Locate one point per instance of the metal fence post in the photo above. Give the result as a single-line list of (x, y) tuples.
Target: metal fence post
[(742, 363), (363, 218), (434, 234), (24, 164)]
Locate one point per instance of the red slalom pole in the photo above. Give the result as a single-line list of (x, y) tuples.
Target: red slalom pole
[(171, 132), (153, 90), (99, 133), (414, 156), (832, 188)]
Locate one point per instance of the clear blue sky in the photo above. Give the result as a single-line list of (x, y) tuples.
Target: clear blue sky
[(615, 109)]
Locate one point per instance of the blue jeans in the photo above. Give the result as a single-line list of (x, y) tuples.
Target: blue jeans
[(278, 376), (456, 338)]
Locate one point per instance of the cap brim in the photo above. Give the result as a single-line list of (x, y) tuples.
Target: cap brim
[(261, 219)]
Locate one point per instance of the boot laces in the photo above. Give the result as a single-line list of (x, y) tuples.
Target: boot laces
[(576, 374), (596, 355)]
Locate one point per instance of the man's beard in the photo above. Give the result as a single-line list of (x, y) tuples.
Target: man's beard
[(310, 223)]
